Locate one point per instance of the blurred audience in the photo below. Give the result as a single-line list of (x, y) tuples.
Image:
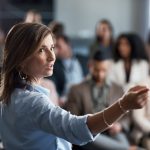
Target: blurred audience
[(130, 61), (67, 68), (104, 37), (58, 29), (96, 93)]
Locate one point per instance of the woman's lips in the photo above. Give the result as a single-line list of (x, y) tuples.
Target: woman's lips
[(50, 66)]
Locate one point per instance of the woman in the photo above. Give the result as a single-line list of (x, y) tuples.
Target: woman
[(28, 119), (104, 37), (130, 61)]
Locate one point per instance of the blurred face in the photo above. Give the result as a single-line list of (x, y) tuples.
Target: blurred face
[(124, 48), (63, 50), (41, 63), (103, 31), (33, 17), (99, 70), (29, 17), (38, 18)]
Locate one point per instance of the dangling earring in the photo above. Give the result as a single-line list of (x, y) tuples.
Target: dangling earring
[(22, 76)]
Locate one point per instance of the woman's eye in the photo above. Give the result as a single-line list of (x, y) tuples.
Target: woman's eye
[(52, 48), (41, 50)]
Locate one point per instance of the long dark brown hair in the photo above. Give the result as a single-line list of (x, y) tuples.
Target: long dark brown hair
[(138, 51), (21, 42)]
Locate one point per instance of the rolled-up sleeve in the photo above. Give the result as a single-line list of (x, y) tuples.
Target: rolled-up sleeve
[(54, 120)]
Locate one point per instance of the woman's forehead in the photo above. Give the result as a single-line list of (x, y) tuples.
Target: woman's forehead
[(47, 41)]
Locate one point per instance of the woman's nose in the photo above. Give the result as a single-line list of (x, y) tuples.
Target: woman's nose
[(51, 57)]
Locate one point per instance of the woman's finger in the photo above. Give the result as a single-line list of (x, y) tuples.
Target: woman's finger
[(142, 91), (142, 100), (143, 96), (138, 87)]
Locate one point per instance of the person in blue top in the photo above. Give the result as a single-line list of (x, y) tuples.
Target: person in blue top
[(28, 119)]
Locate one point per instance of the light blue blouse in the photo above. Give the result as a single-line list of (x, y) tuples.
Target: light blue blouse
[(32, 122)]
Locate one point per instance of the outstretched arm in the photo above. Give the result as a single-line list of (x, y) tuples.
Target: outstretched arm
[(135, 98)]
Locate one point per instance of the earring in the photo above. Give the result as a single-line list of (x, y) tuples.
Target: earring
[(22, 76)]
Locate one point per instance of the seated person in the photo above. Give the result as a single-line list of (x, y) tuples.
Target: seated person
[(95, 94), (103, 37), (130, 61), (67, 70)]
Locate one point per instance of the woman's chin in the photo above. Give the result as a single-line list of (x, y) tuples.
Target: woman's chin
[(50, 73)]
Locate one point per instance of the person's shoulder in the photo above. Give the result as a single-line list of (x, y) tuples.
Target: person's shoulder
[(75, 87), (25, 94), (24, 100), (141, 61), (79, 88), (141, 64), (81, 85)]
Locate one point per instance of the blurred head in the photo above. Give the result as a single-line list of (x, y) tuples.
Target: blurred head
[(63, 47), (104, 31), (125, 46), (32, 16), (57, 28), (129, 46), (99, 65), (28, 53)]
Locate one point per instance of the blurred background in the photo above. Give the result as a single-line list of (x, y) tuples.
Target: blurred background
[(80, 16)]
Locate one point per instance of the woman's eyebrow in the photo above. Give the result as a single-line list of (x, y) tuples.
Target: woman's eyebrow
[(53, 45), (44, 46)]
